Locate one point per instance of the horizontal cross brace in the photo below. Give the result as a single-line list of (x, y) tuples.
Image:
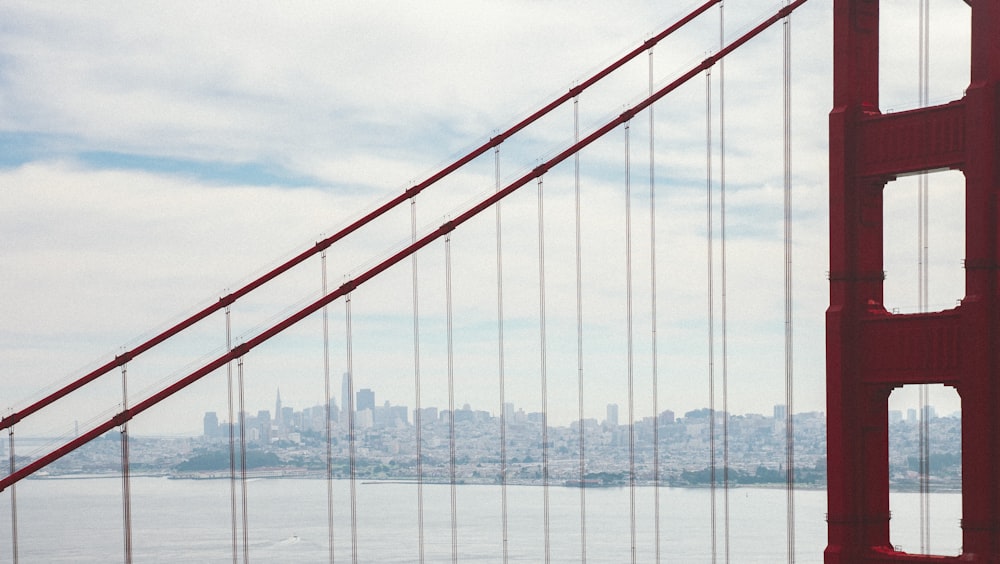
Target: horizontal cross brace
[(921, 348), (913, 141)]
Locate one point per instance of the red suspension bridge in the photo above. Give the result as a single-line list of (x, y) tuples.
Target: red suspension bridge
[(582, 280)]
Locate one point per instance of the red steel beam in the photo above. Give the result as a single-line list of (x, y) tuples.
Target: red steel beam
[(350, 285), (409, 193), (930, 138)]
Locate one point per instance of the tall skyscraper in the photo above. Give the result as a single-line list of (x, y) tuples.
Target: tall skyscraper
[(612, 414)]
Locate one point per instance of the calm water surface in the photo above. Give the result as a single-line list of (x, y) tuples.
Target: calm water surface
[(80, 520)]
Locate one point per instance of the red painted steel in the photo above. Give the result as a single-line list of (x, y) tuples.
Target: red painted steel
[(374, 271), (121, 359), (870, 351)]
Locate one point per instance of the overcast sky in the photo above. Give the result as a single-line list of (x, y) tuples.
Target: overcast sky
[(155, 155)]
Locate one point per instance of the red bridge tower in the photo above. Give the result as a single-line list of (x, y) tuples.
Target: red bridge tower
[(870, 351)]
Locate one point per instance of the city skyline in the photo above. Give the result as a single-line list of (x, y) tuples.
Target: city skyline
[(407, 417)]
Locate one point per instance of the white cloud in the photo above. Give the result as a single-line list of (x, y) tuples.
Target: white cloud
[(354, 102)]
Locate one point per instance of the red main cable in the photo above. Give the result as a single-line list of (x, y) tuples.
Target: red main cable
[(411, 192), (240, 350)]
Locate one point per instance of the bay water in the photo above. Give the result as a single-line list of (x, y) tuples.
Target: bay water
[(80, 520)]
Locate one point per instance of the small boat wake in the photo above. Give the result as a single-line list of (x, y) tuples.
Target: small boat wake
[(294, 539)]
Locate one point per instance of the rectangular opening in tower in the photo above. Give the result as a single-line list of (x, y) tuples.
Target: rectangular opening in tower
[(912, 76), (925, 469), (923, 258)]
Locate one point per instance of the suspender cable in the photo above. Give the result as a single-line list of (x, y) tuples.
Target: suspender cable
[(711, 310), (243, 459), (652, 311), (543, 368), (352, 432), (924, 440), (722, 283), (629, 343), (501, 367), (579, 338), (922, 261), (232, 437), (349, 285), (922, 256), (13, 497), (789, 379), (452, 473), (126, 483), (417, 413), (328, 427)]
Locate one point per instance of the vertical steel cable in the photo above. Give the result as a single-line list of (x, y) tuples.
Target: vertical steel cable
[(243, 459), (924, 471), (711, 311), (923, 260), (543, 368), (922, 256), (629, 342), (232, 437), (722, 282), (652, 307), (789, 379), (922, 213), (13, 496), (579, 337), (352, 433), (452, 474), (126, 482), (328, 429), (417, 413), (501, 367)]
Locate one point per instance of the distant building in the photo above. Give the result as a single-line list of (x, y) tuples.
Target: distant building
[(278, 421), (426, 415), (334, 410), (365, 399), (259, 428), (383, 415), (780, 412), (508, 412), (895, 416), (364, 419), (211, 424), (465, 414), (399, 415), (612, 418)]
